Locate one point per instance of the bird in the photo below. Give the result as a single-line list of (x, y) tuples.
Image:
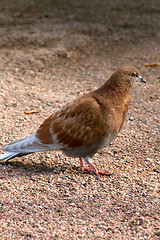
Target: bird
[(83, 127)]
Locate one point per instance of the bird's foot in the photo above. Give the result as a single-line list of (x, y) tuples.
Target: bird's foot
[(97, 172), (92, 169)]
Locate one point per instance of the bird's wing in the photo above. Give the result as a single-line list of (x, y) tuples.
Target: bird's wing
[(76, 125)]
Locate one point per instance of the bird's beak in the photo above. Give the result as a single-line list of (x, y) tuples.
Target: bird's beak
[(141, 79)]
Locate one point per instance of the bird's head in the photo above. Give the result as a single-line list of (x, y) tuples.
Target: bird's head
[(127, 75), (122, 80)]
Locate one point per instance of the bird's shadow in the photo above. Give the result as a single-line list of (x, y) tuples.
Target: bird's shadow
[(42, 167), (30, 168)]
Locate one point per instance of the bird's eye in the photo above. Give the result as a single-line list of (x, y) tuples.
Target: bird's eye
[(133, 74)]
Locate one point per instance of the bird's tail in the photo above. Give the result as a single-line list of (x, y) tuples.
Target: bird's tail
[(9, 155), (23, 147)]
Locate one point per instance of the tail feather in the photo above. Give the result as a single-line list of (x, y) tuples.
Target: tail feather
[(26, 145), (8, 155)]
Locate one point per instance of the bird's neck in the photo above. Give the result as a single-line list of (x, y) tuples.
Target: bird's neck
[(114, 90)]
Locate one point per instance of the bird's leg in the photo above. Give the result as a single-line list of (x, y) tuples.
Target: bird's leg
[(81, 164), (92, 169), (83, 168)]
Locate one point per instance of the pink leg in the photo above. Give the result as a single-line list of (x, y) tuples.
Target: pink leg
[(92, 169)]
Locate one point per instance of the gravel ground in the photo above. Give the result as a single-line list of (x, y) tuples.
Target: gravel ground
[(52, 53)]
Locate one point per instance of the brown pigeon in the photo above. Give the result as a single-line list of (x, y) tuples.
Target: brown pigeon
[(84, 126)]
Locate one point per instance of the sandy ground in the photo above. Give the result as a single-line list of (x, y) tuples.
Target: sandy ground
[(50, 54)]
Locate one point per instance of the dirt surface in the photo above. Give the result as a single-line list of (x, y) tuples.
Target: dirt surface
[(52, 52)]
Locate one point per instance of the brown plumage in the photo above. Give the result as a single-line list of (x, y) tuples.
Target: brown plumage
[(84, 126)]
